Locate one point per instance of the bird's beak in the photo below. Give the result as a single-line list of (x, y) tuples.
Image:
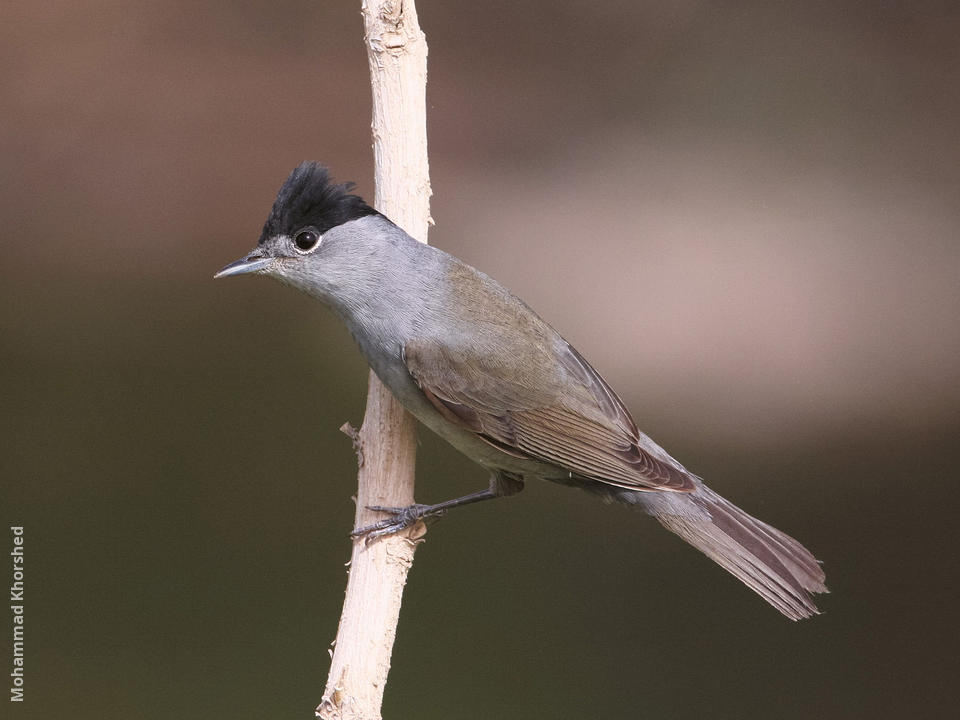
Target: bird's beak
[(254, 262)]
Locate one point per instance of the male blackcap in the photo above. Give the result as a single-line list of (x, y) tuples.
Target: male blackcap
[(477, 366)]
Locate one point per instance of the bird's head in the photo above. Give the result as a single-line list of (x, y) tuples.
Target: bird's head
[(297, 245)]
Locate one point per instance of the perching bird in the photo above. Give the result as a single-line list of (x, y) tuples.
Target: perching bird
[(477, 366)]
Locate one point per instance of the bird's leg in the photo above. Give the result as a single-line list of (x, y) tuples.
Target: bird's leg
[(502, 484)]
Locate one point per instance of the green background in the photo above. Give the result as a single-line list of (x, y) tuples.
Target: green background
[(744, 214)]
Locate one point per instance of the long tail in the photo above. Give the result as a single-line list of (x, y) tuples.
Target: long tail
[(769, 562)]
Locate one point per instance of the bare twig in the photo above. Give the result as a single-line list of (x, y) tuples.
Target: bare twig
[(397, 54), (351, 432)]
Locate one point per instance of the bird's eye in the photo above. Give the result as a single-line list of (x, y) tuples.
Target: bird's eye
[(306, 239)]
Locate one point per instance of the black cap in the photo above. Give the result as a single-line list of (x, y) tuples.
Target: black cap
[(310, 198)]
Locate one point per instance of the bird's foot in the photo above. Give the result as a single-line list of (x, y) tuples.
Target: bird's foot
[(399, 518)]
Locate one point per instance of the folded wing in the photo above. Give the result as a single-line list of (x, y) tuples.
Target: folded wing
[(552, 407)]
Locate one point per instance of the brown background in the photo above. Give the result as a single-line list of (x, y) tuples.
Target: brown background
[(745, 214)]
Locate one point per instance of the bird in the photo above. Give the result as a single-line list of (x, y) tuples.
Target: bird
[(477, 366)]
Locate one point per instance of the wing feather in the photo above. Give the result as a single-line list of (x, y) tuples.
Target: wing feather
[(552, 409)]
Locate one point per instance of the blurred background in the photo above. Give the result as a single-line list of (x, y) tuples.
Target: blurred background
[(745, 214)]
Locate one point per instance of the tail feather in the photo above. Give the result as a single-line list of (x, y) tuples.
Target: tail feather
[(769, 562)]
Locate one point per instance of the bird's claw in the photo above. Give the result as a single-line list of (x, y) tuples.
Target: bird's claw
[(400, 518)]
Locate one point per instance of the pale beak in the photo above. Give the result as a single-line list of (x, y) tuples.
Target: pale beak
[(250, 264)]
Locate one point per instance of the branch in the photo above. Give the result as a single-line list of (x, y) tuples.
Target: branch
[(386, 443)]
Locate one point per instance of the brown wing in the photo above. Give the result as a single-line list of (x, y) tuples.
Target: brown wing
[(554, 408)]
